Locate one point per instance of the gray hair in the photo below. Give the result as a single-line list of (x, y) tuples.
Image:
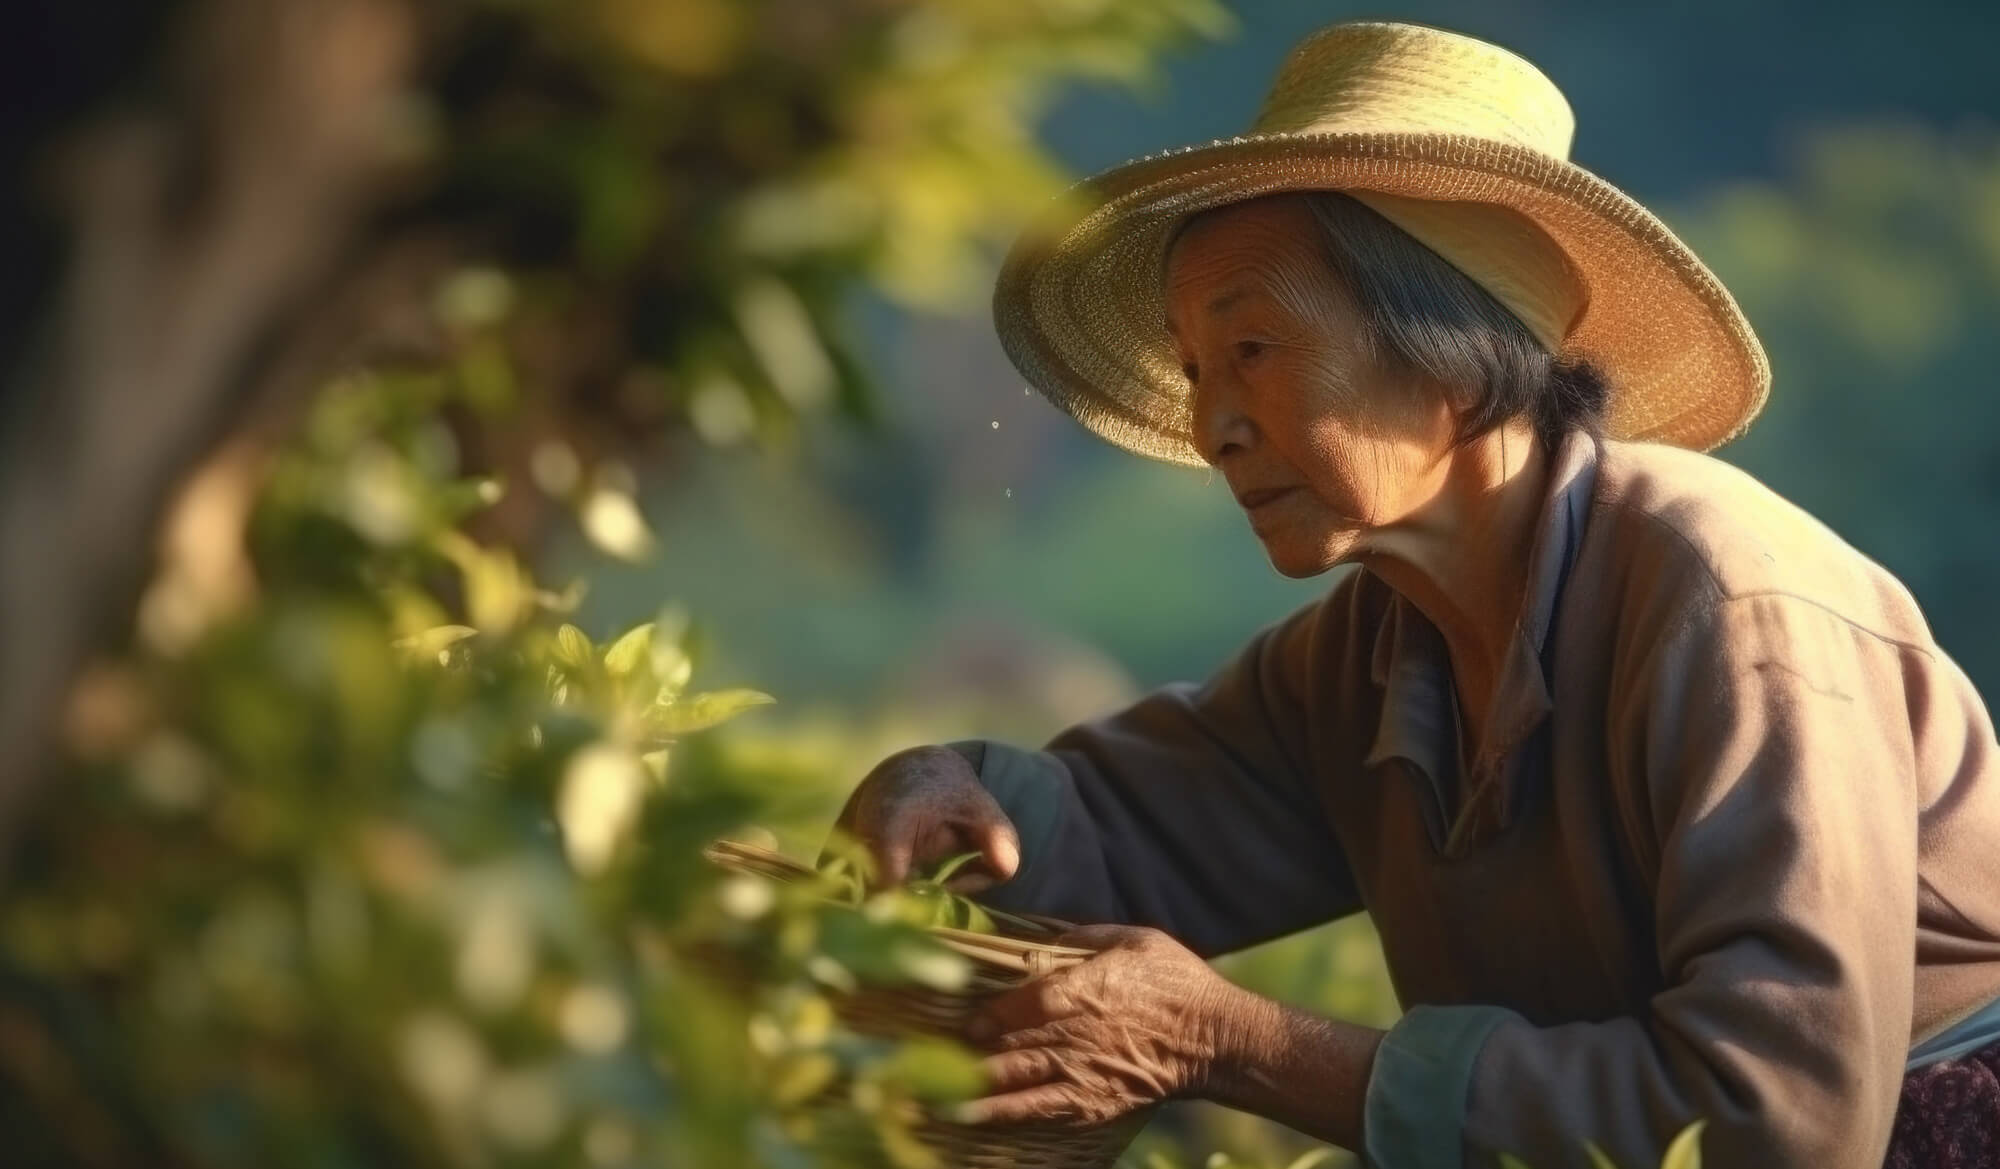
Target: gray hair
[(1421, 315)]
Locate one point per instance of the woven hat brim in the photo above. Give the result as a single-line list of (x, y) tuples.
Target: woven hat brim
[(1079, 310)]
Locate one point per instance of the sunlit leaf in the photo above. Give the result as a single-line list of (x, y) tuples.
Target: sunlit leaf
[(671, 665), (472, 298), (970, 915), (630, 651), (598, 803), (564, 602), (780, 331), (951, 865), (496, 590), (614, 523), (1685, 1151), (803, 1076), (702, 711), (931, 965), (900, 1143), (936, 1070), (434, 644), (573, 648)]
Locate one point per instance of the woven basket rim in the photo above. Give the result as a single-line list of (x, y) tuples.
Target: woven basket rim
[(1007, 950)]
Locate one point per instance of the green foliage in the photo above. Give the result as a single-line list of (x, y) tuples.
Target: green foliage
[(692, 189), (1683, 1152), (390, 863), (922, 900), (356, 885), (382, 860), (1310, 1159)]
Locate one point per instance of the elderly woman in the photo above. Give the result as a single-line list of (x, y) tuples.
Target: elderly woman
[(1663, 799)]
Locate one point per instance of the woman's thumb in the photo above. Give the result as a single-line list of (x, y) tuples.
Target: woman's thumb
[(1001, 848)]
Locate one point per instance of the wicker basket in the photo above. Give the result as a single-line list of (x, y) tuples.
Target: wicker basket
[(1000, 962)]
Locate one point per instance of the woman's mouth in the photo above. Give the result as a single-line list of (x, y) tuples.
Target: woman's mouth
[(1252, 500)]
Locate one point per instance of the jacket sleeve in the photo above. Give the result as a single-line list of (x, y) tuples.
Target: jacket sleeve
[(1192, 810), (1770, 788)]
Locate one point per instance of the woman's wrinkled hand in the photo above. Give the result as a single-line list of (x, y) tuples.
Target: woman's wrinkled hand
[(1144, 1020), (922, 805)]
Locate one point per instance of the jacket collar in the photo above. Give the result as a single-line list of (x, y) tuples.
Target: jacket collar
[(1412, 667)]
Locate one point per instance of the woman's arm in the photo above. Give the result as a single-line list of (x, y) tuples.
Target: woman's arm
[(1772, 776), (1193, 810), (1295, 1067)]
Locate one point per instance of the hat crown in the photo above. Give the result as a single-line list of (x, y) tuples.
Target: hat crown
[(1394, 77)]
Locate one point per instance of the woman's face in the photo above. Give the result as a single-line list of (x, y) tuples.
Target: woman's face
[(1318, 443)]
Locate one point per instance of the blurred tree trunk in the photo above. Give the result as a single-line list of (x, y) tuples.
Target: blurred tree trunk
[(214, 259)]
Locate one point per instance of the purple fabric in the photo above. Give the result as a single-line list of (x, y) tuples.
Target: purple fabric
[(1949, 1114)]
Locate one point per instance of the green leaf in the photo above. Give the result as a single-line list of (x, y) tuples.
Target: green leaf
[(564, 602), (1312, 1157), (973, 916), (1685, 1152), (496, 589), (1510, 1161), (951, 865), (630, 651), (933, 1069), (846, 867), (804, 1076), (671, 666), (573, 648), (1599, 1159), (931, 965), (705, 710), (915, 902)]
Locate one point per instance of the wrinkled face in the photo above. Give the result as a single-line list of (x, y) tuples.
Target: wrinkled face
[(1319, 444)]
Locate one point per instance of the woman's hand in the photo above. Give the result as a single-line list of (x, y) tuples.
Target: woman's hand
[(922, 805), (1144, 1020)]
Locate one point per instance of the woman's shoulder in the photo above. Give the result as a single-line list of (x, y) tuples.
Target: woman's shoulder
[(1689, 522)]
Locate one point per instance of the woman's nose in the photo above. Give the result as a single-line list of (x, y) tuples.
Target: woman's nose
[(1219, 423)]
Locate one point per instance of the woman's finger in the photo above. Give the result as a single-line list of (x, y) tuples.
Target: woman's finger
[(1043, 1102), (1031, 1004), (969, 880), (1055, 1035), (1011, 1071), (1099, 936), (893, 850), (999, 845), (911, 838)]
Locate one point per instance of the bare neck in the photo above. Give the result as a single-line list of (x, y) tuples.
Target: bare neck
[(1461, 557)]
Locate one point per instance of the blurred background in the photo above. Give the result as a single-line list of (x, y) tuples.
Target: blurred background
[(340, 321)]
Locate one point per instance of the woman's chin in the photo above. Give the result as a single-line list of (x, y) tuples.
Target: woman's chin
[(1299, 561)]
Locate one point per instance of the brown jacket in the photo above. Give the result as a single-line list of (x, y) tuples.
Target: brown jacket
[(1731, 850)]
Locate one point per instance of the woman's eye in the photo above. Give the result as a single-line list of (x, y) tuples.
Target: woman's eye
[(1249, 349)]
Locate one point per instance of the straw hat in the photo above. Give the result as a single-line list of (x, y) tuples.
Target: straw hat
[(1460, 143)]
